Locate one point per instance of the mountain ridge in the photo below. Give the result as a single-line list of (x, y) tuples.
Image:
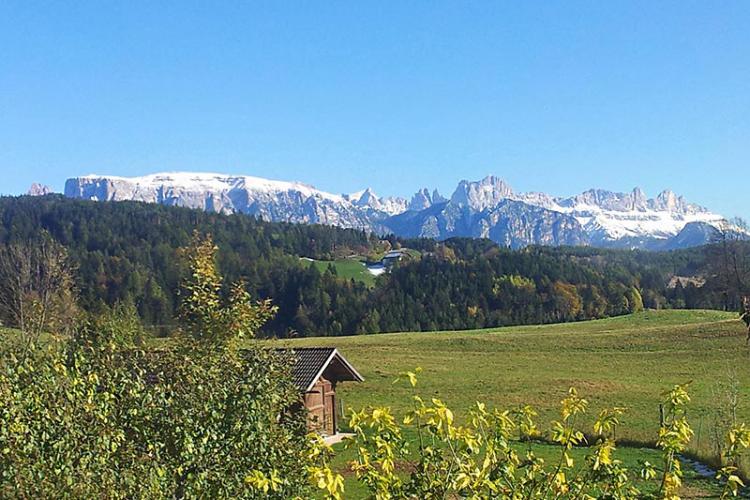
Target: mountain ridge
[(488, 208)]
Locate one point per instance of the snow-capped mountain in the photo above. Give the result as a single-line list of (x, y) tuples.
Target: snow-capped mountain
[(613, 217), (596, 217), (488, 208), (510, 223), (268, 199), (367, 199)]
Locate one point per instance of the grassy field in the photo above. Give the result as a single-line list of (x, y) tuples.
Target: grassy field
[(626, 361), (347, 269)]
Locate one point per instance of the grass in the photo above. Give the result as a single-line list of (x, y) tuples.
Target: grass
[(626, 361), (347, 269)]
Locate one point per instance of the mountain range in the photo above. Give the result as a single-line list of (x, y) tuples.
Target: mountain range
[(488, 208)]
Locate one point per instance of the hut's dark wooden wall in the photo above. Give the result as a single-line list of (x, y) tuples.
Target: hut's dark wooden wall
[(320, 402)]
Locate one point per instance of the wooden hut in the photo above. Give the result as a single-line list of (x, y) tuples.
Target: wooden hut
[(316, 372)]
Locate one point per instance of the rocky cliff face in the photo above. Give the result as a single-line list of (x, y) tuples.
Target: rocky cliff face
[(488, 208), (485, 194), (510, 223)]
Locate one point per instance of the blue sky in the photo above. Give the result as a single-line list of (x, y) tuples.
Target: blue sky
[(552, 96)]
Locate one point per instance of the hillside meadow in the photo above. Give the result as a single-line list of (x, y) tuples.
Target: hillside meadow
[(624, 361), (347, 269)]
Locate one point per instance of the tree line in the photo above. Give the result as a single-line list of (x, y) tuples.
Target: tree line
[(128, 252)]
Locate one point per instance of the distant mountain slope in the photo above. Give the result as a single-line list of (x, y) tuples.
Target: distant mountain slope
[(274, 201), (488, 208), (509, 223)]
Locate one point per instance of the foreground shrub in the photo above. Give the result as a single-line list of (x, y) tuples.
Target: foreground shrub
[(98, 416), (85, 421), (477, 459)]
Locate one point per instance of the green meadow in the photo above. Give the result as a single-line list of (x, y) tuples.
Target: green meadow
[(625, 361), (346, 269)]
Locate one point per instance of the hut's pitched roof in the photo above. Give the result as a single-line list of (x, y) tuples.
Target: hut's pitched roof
[(309, 364)]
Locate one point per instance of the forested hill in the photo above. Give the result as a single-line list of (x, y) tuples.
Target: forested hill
[(129, 251)]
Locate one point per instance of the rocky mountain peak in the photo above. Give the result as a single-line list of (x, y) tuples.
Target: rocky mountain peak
[(366, 198), (487, 208), (667, 200), (37, 189), (608, 200), (421, 200), (483, 194), (639, 200)]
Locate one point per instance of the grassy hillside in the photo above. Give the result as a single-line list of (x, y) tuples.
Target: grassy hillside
[(626, 361), (347, 269)]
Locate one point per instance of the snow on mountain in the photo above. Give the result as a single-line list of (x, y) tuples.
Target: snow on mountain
[(367, 199), (606, 216), (609, 216), (268, 199), (202, 182), (487, 208), (393, 205)]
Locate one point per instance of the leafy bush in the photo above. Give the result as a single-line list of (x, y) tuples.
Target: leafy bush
[(98, 416), (478, 460)]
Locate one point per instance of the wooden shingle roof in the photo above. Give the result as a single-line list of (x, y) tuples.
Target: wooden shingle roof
[(310, 363)]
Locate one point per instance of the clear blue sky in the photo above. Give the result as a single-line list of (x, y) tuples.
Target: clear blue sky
[(552, 96)]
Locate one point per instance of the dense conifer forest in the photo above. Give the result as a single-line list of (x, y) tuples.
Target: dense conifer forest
[(129, 252)]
